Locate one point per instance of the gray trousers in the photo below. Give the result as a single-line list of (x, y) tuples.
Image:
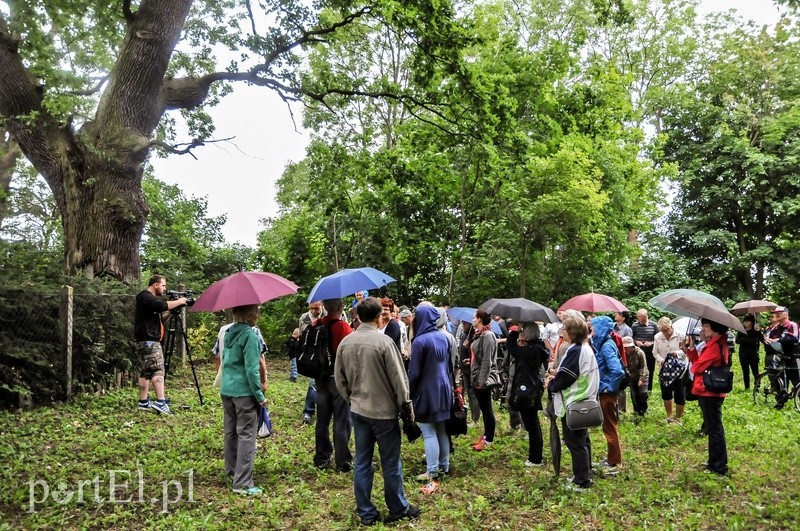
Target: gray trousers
[(240, 424)]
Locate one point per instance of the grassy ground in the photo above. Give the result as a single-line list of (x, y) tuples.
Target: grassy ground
[(59, 464)]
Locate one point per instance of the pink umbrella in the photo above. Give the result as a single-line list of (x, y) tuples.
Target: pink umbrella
[(242, 288), (593, 302)]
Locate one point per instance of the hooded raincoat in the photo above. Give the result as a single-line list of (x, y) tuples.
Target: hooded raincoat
[(241, 361), (608, 360), (429, 368)]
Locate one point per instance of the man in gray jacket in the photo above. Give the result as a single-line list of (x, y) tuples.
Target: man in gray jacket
[(370, 375)]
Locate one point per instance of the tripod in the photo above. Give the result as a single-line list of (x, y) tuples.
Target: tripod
[(177, 328)]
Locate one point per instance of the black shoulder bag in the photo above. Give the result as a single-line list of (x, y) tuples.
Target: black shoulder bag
[(719, 379)]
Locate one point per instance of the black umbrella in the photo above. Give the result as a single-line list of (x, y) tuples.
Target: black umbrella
[(555, 438), (555, 446), (521, 310)]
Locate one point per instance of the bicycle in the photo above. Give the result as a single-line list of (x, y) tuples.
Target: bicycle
[(770, 386)]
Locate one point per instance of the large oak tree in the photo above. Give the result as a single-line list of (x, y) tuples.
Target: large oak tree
[(86, 87)]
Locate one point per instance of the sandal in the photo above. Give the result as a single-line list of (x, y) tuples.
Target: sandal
[(429, 488)]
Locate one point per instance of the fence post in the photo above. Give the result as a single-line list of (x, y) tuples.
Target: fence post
[(65, 316), (180, 345)]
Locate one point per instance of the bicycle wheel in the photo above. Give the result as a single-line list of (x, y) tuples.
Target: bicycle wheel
[(766, 387)]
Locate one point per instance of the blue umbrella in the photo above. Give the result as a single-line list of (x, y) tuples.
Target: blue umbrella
[(348, 281), (462, 313)]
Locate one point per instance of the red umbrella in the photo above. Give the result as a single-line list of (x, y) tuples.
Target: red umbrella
[(593, 302), (242, 288)]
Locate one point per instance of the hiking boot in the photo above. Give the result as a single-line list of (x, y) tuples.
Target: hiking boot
[(161, 406), (412, 513), (249, 491), (144, 405), (481, 445)]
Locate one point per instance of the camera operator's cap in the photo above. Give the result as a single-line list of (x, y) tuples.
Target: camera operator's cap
[(780, 309), (627, 341), (405, 313)]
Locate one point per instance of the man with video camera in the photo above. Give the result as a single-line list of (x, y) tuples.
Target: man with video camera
[(148, 331)]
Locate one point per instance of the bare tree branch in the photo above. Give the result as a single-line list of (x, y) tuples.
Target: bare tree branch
[(89, 91), (184, 148), (130, 16)]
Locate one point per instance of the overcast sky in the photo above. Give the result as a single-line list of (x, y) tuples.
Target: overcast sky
[(239, 178)]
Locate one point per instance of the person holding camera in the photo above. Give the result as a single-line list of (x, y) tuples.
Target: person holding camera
[(148, 331)]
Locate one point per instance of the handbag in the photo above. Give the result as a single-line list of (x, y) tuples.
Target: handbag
[(718, 379), (584, 414), (457, 423), (264, 423), (671, 370)]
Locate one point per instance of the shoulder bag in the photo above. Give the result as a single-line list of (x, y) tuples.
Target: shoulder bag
[(584, 414)]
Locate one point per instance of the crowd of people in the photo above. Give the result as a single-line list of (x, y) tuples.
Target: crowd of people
[(391, 362)]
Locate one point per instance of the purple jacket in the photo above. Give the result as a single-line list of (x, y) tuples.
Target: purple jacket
[(429, 368)]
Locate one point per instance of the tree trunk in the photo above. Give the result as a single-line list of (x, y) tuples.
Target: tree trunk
[(9, 154), (96, 174)]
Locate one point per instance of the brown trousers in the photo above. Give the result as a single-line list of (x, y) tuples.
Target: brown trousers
[(608, 403)]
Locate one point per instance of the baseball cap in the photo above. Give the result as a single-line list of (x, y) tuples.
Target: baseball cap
[(627, 341), (780, 309)]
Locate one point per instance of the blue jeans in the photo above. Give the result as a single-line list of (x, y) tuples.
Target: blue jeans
[(332, 406), (311, 398), (293, 368), (387, 434), (437, 447)]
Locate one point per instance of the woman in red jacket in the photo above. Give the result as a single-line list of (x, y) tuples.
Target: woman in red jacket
[(714, 354)]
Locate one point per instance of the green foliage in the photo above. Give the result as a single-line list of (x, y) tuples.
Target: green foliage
[(733, 135), (662, 484)]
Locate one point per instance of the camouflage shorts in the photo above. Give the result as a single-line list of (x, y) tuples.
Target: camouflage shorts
[(151, 359)]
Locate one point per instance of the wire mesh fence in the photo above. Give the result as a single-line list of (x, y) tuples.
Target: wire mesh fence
[(56, 343)]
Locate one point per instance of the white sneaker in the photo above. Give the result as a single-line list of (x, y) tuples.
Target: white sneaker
[(531, 463), (161, 407)]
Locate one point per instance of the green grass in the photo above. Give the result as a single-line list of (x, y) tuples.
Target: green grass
[(660, 486)]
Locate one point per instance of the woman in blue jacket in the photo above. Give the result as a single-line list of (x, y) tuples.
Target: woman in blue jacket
[(611, 374), (431, 392)]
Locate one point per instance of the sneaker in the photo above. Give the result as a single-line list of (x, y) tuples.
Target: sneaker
[(307, 419), (532, 464), (577, 488), (612, 470), (429, 488), (249, 491), (425, 477), (472, 424), (482, 445), (161, 407), (601, 464), (144, 405), (412, 513)]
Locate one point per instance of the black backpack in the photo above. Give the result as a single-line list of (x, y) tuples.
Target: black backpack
[(314, 360)]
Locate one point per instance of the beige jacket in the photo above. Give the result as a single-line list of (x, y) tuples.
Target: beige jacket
[(370, 375)]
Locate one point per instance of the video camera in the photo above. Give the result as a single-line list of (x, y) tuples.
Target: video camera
[(175, 295)]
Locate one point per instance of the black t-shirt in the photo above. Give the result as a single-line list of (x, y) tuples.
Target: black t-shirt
[(147, 321)]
